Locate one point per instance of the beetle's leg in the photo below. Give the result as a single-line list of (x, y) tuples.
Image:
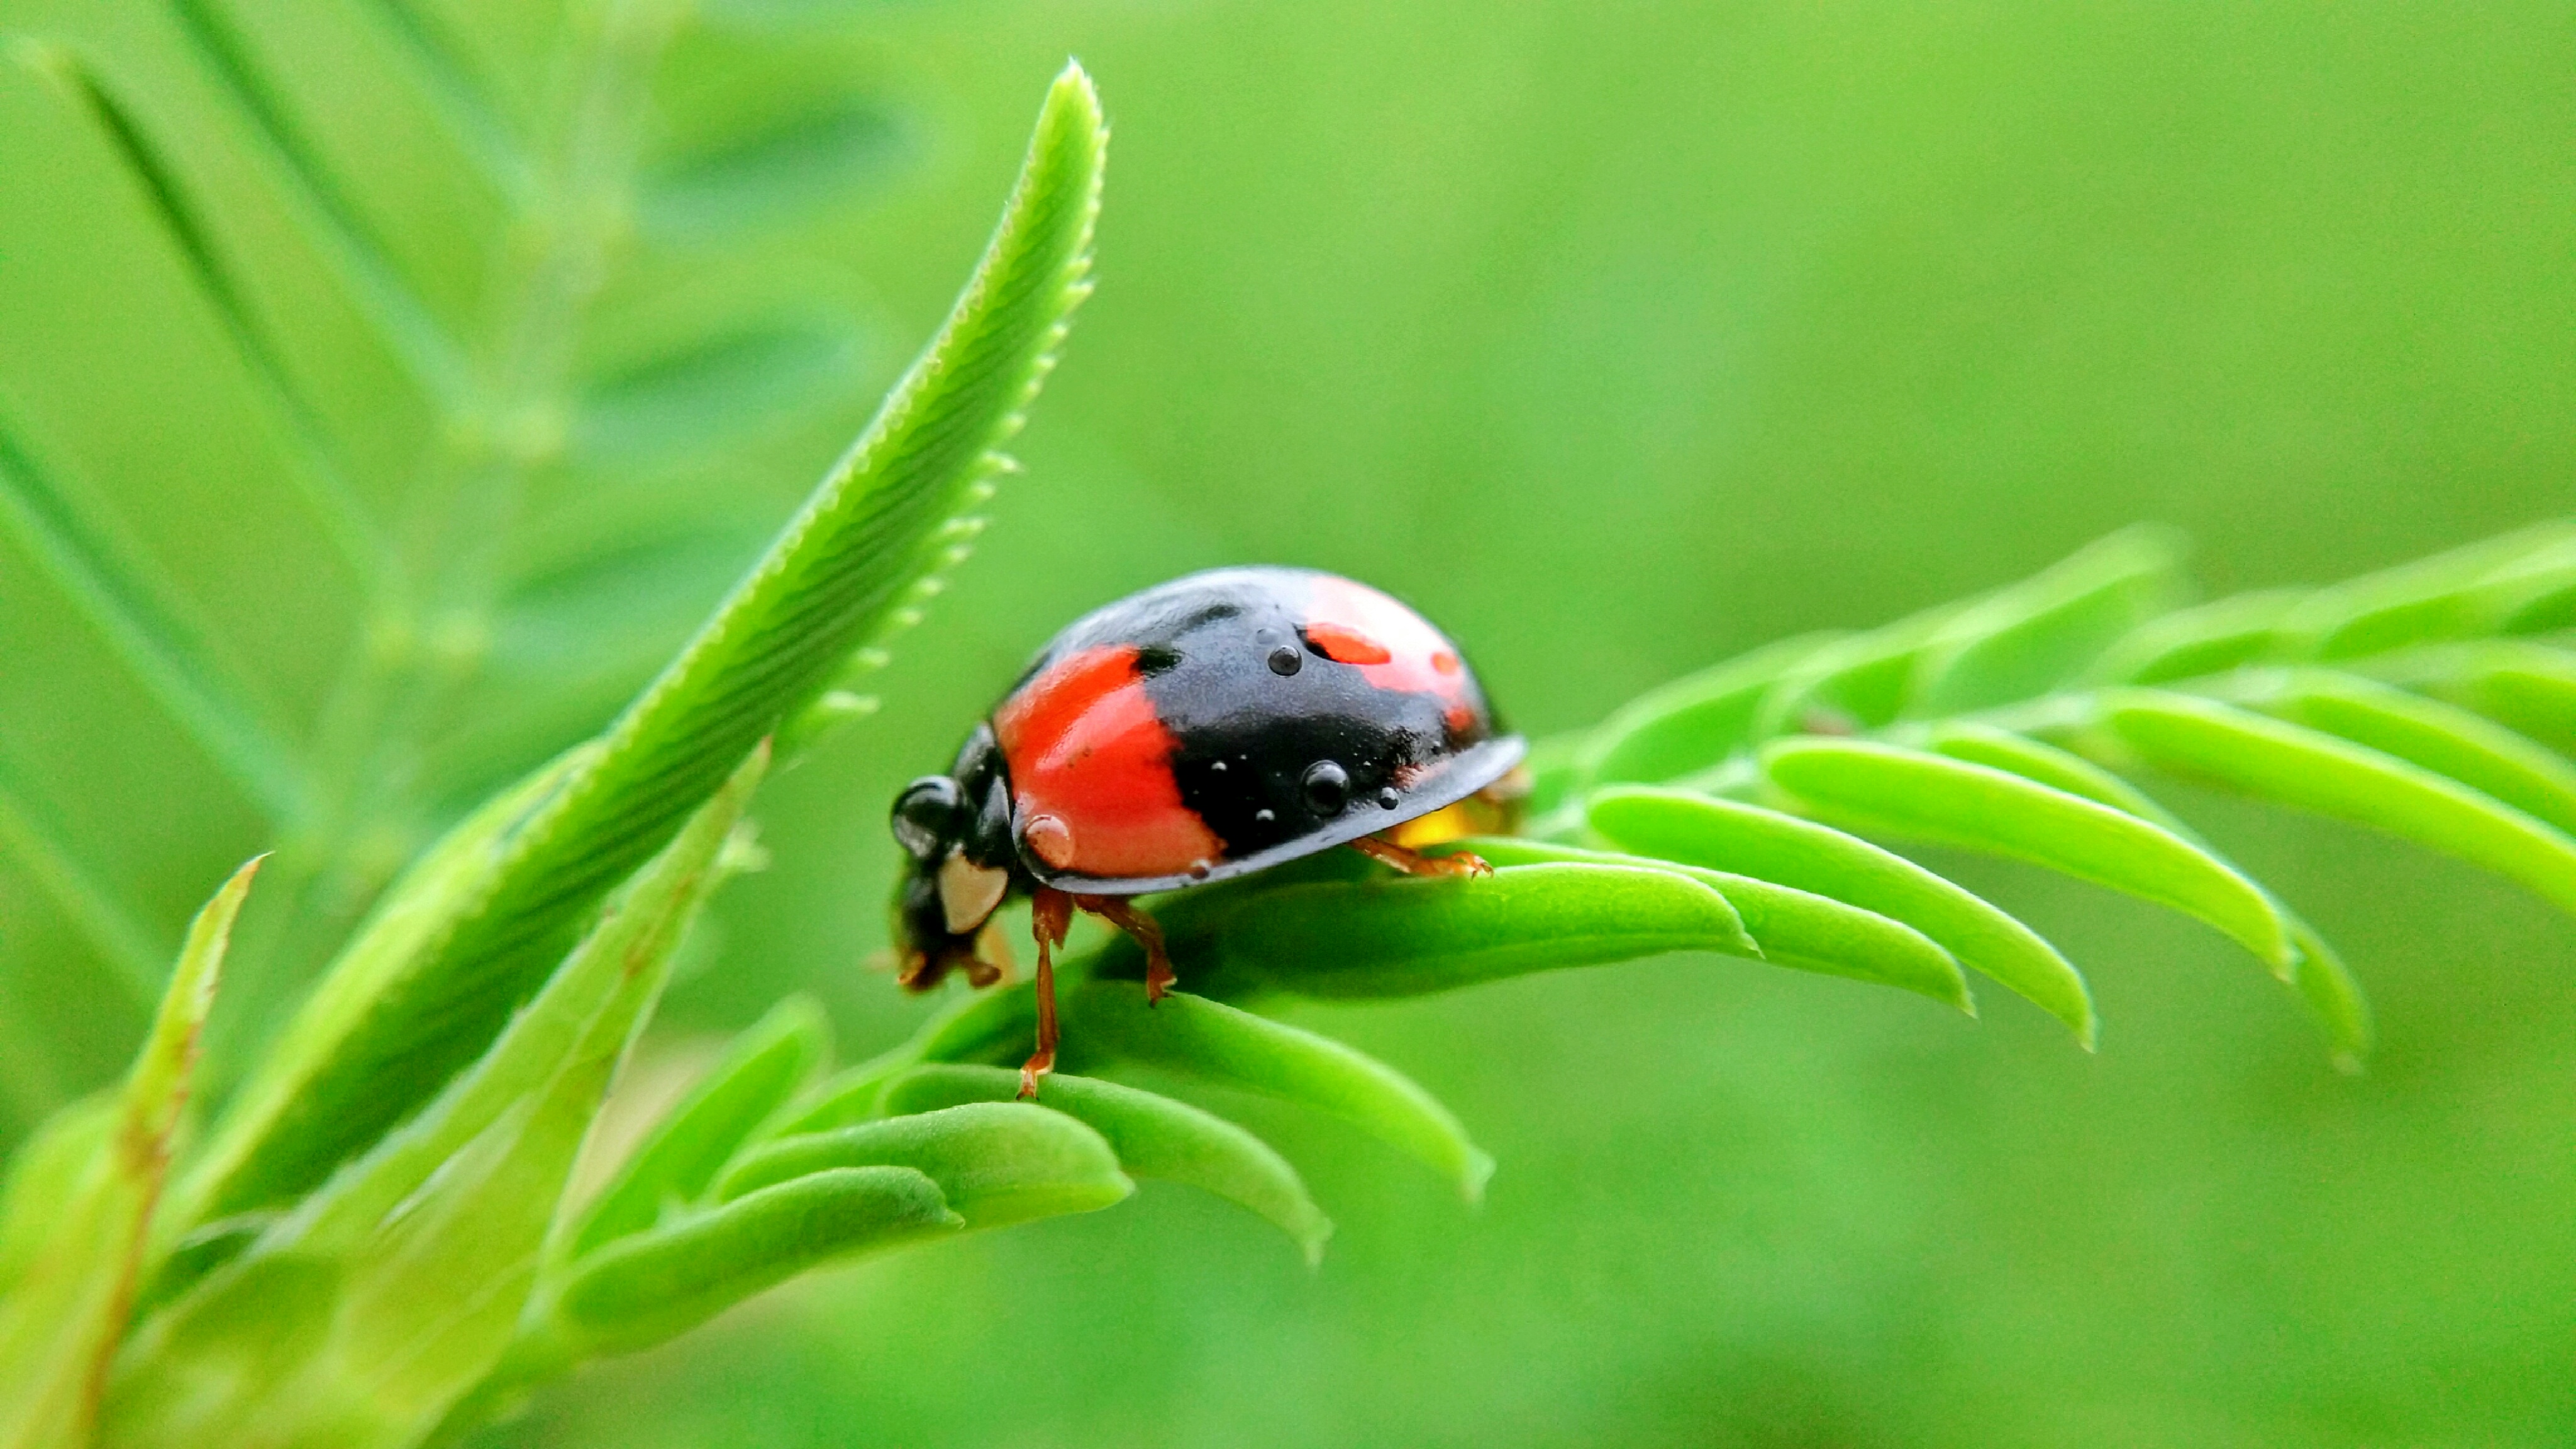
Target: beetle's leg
[(1158, 963), (1050, 912), (1414, 863)]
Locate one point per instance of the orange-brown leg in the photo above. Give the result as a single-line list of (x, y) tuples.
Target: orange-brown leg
[(1413, 863), (1158, 963), (1050, 912)]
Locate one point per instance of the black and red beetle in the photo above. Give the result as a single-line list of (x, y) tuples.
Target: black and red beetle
[(1203, 729)]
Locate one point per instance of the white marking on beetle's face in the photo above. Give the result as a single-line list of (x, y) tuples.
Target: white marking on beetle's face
[(968, 893)]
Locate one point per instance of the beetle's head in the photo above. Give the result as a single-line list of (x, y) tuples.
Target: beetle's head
[(955, 830)]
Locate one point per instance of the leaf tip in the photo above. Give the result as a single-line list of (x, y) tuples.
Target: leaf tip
[(1475, 1170)]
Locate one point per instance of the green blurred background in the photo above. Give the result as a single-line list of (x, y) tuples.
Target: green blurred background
[(1619, 338)]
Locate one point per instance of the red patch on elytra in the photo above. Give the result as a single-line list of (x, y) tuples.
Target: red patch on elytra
[(1086, 746), (1410, 655), (1343, 644)]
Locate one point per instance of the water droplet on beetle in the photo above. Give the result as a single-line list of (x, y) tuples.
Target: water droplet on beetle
[(1328, 787), (1216, 767), (1050, 840), (1198, 870), (1388, 799), (1264, 817), (1285, 660)]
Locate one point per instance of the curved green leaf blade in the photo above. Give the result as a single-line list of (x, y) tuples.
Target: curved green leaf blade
[(2480, 589), (1110, 1021), (2326, 985), (1410, 936), (843, 572), (65, 1312), (1768, 845), (2528, 688), (2294, 765), (2027, 639), (1153, 1135), (429, 1245), (680, 1160), (1793, 927), (1865, 785), (997, 1163), (2208, 638), (1693, 722), (643, 1289), (2442, 738)]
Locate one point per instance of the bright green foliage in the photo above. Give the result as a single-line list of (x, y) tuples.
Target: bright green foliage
[(376, 1246), (1153, 1136), (75, 1245), (1989, 726)]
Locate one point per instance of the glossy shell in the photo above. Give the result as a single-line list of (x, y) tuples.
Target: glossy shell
[(1233, 719)]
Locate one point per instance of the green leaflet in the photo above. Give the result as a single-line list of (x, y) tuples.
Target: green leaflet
[(843, 572), (679, 1161), (2528, 688), (1861, 680), (2325, 983), (1393, 936), (997, 1163), (1876, 787), (2208, 639), (2497, 585), (645, 1288), (2442, 738), (1767, 845), (413, 912), (1692, 723), (977, 1026), (409, 1268), (1110, 1021), (1792, 927), (2027, 639), (73, 1286), (1153, 1135), (2297, 766)]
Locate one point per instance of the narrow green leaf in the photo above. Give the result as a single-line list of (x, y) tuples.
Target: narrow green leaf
[(65, 1313), (2326, 985), (979, 1026), (1110, 1021), (1153, 1135), (2466, 593), (676, 1164), (1792, 927), (411, 915), (1860, 681), (2442, 738), (1692, 723), (1409, 936), (2297, 766), (2527, 688), (1767, 845), (432, 1239), (1866, 785), (322, 481), (811, 160), (149, 633), (1996, 749), (2028, 639), (998, 1163), (643, 1289), (846, 568), (2210, 638)]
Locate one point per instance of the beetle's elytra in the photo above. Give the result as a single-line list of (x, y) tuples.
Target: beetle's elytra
[(1206, 728)]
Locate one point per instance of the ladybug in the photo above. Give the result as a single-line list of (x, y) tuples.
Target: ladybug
[(1204, 729)]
